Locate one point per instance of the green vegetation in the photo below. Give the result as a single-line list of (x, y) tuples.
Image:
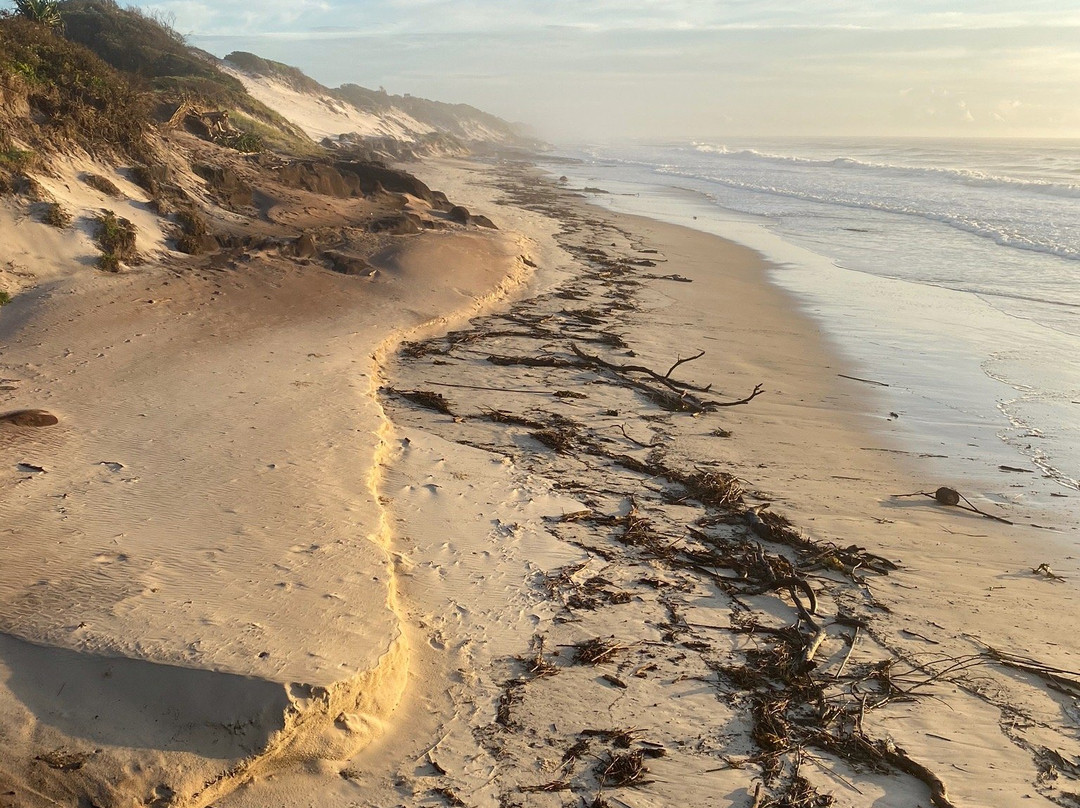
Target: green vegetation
[(71, 95), (116, 239), (443, 116), (150, 50), (273, 137), (247, 142), (246, 113), (14, 163), (14, 159), (97, 80), (43, 12), (292, 76), (446, 117), (55, 214), (104, 185), (5, 298), (133, 42)]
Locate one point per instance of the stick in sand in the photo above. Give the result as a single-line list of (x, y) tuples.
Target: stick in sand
[(950, 496)]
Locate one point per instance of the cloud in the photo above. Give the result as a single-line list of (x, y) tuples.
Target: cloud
[(654, 68), (461, 16)]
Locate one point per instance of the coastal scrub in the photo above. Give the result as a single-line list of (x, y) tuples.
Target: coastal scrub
[(116, 238), (56, 215)]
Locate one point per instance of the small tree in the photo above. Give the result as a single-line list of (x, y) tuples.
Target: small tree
[(46, 12)]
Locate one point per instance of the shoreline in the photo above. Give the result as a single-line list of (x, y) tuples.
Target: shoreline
[(595, 576), (818, 412), (508, 581), (938, 354)]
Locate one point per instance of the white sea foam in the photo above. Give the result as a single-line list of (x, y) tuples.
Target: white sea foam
[(1018, 197), (973, 177), (976, 243)]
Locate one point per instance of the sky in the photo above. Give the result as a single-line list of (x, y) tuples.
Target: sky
[(586, 69)]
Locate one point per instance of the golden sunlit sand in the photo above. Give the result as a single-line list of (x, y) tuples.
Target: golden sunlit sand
[(437, 485), (265, 558)]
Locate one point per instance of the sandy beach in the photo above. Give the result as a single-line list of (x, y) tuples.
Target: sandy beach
[(197, 579), (501, 522), (962, 587)]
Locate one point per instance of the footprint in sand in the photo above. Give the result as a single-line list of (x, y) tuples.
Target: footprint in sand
[(111, 558)]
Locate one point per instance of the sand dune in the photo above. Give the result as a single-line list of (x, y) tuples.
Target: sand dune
[(197, 559), (325, 116)]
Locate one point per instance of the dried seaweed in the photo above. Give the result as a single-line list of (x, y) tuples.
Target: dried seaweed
[(424, 398), (597, 651), (795, 699), (623, 769)]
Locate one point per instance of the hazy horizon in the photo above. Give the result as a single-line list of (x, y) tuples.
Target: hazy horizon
[(646, 68)]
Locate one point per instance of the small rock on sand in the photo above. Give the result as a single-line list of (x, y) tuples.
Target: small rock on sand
[(29, 418)]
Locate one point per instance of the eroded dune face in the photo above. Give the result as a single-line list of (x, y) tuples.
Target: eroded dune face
[(195, 562), (195, 583)]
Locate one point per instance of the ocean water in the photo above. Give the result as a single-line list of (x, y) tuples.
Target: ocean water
[(947, 269)]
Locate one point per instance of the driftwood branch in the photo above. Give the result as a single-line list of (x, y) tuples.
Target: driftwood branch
[(791, 583), (494, 389), (1044, 570), (665, 380), (865, 381), (847, 656), (680, 401), (759, 795), (813, 646), (1061, 680), (939, 796), (531, 361), (758, 390), (635, 441), (681, 361), (950, 496)]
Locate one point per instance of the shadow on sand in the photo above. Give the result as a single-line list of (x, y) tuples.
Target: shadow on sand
[(143, 705)]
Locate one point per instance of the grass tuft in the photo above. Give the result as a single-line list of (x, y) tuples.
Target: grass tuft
[(56, 215), (14, 159), (104, 185), (246, 142), (116, 238)]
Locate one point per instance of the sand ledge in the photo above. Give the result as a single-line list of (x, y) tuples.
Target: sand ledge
[(674, 673), (184, 406)]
